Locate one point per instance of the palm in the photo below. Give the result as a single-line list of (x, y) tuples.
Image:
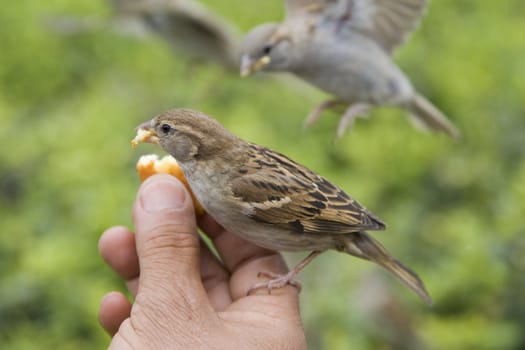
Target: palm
[(221, 296)]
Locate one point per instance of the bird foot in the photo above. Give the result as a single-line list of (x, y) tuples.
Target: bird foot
[(314, 115), (276, 281), (346, 121)]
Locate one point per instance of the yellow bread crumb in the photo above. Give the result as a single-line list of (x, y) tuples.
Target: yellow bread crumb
[(150, 164), (144, 136)]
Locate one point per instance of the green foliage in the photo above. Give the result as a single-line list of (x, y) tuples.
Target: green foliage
[(68, 108)]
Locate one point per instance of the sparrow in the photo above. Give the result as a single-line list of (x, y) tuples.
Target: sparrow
[(268, 199), (344, 47)]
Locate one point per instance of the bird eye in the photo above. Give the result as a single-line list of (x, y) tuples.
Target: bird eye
[(267, 49), (165, 128)]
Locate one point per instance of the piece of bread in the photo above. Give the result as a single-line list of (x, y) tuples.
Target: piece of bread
[(150, 164)]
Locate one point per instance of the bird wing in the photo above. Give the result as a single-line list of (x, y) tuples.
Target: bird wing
[(188, 26), (388, 22), (278, 191), (301, 7)]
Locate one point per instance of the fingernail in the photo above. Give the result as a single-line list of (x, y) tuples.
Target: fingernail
[(160, 195)]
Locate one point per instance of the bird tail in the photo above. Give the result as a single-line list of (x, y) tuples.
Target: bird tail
[(365, 247), (427, 115)]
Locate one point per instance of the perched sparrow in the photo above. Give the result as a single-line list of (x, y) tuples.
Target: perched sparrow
[(344, 47), (267, 198)]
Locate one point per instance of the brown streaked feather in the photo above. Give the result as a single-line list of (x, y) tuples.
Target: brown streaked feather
[(278, 191)]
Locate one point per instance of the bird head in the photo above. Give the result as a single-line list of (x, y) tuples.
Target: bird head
[(185, 134), (266, 47)]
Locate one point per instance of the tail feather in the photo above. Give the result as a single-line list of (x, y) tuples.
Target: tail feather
[(365, 247), (432, 118)]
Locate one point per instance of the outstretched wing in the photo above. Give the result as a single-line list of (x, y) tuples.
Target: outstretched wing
[(188, 26), (278, 191), (388, 22), (298, 7)]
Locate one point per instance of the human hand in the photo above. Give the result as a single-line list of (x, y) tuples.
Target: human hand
[(185, 297)]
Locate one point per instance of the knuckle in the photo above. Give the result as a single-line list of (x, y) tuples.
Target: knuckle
[(170, 236)]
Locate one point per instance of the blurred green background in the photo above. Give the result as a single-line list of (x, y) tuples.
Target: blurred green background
[(68, 107)]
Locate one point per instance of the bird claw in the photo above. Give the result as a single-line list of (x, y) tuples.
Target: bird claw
[(346, 121), (276, 281), (314, 115), (312, 118)]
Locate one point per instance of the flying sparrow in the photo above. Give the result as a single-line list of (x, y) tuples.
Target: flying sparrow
[(267, 198), (344, 47)]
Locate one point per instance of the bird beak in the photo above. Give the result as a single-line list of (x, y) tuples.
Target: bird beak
[(249, 66), (146, 134)]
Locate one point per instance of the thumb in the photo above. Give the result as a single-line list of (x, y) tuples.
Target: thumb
[(166, 238)]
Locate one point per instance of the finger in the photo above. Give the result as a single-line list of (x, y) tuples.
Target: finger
[(215, 279), (243, 259), (117, 248), (114, 309), (167, 244)]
